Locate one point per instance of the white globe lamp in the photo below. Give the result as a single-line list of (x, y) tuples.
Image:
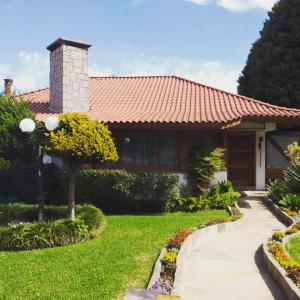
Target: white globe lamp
[(51, 123), (27, 125)]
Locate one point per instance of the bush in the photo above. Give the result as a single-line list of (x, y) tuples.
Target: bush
[(192, 204), (291, 201), (276, 190), (27, 236), (223, 195), (292, 178), (202, 166), (127, 191)]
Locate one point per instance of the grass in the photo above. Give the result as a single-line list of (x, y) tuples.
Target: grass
[(103, 268), (293, 248)]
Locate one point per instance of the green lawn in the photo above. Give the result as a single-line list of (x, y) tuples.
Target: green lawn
[(293, 248), (103, 268)]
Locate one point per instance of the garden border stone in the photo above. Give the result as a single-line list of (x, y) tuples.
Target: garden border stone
[(285, 218), (289, 288)]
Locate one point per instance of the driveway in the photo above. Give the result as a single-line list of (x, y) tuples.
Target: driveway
[(230, 266)]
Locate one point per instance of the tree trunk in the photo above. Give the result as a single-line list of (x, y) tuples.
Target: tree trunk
[(71, 195)]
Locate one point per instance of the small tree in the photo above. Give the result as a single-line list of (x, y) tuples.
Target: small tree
[(78, 140), (202, 165)]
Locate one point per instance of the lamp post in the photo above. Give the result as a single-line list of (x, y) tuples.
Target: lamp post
[(28, 126)]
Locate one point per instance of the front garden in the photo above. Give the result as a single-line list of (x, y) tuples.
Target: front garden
[(102, 268), (55, 242)]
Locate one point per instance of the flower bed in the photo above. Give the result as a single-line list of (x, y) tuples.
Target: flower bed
[(169, 257), (20, 234), (276, 248)]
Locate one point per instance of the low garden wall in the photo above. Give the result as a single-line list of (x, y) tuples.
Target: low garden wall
[(281, 215)]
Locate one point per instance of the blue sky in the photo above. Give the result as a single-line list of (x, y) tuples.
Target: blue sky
[(204, 40)]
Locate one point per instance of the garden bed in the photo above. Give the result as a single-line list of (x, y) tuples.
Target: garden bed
[(283, 267), (20, 231)]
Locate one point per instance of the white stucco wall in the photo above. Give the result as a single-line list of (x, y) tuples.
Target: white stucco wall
[(260, 164)]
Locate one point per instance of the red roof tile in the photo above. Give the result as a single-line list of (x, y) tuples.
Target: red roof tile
[(162, 99)]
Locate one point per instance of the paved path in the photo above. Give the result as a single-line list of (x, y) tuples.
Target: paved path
[(230, 266)]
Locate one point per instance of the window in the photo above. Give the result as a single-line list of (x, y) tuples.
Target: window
[(138, 150), (168, 151), (147, 151)]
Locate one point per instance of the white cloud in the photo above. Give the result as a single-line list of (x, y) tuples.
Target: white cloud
[(214, 73), (244, 5), (239, 5), (30, 71)]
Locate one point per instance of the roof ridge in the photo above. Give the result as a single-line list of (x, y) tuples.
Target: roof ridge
[(237, 95), (34, 91), (132, 76)]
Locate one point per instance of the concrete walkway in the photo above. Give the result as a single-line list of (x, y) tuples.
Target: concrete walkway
[(230, 265)]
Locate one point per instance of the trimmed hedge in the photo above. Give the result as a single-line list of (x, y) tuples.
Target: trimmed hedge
[(112, 190), (88, 224), (126, 191)]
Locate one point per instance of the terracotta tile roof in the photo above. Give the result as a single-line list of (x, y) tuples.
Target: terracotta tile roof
[(162, 99)]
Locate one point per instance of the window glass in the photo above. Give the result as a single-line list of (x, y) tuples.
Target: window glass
[(125, 150), (144, 150), (168, 151), (139, 150), (203, 143)]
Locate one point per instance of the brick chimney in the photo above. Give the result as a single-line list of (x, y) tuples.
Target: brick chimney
[(8, 87), (68, 76)]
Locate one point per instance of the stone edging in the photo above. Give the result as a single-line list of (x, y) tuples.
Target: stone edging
[(156, 270), (289, 288), (285, 218), (190, 243)]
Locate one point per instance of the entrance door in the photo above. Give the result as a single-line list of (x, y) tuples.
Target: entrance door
[(241, 156)]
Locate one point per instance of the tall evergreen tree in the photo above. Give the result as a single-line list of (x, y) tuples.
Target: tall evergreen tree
[(272, 72)]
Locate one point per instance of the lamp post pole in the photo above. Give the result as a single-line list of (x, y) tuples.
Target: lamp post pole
[(41, 196), (28, 126)]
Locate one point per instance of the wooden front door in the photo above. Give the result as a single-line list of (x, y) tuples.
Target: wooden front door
[(241, 159)]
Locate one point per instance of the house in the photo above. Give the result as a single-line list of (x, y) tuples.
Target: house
[(157, 120)]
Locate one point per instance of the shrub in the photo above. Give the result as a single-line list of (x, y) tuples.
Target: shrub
[(278, 236), (202, 166), (293, 152), (27, 236), (292, 178), (192, 204), (127, 191), (291, 201), (276, 190), (223, 195)]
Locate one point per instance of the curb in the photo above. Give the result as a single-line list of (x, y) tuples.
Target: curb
[(281, 215)]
